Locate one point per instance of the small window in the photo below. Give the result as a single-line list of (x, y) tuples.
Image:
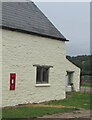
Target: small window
[(69, 78), (42, 74)]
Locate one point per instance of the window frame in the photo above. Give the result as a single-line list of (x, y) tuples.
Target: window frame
[(70, 75), (42, 74)]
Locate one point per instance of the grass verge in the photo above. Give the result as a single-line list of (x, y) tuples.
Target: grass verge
[(77, 99), (32, 112)]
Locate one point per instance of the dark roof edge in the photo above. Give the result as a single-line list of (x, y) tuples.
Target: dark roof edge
[(33, 33)]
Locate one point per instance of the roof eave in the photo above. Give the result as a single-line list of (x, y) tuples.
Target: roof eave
[(33, 33)]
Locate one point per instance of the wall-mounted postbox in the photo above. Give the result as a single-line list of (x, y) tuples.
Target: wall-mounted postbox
[(12, 81)]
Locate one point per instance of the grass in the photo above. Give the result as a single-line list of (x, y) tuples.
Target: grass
[(77, 99), (32, 112), (86, 85)]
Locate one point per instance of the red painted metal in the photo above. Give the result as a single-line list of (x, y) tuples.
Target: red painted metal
[(12, 81)]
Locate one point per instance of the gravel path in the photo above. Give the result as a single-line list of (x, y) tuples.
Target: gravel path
[(76, 114), (43, 105)]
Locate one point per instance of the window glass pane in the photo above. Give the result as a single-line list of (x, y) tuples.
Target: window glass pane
[(45, 75), (38, 77)]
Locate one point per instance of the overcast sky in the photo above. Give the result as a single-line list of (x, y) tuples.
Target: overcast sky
[(73, 20)]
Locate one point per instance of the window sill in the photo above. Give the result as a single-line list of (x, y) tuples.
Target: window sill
[(42, 85), (68, 86)]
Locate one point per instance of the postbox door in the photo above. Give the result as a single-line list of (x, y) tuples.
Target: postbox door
[(12, 81)]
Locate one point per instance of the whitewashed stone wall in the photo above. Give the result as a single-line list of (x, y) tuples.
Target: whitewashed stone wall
[(20, 52), (76, 75), (0, 73)]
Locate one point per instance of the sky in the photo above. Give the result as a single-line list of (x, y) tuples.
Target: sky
[(72, 19)]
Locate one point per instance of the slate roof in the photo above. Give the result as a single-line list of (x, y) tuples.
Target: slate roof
[(27, 17)]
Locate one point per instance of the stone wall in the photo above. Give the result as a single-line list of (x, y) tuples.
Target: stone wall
[(20, 52)]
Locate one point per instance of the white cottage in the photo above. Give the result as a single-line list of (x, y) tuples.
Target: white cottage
[(34, 64)]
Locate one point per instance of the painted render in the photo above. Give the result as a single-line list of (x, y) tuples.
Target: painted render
[(0, 72), (20, 52), (76, 76)]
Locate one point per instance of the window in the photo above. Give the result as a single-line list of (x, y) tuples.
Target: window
[(69, 78), (42, 74)]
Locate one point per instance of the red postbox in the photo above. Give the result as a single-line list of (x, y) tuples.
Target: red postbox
[(12, 81)]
